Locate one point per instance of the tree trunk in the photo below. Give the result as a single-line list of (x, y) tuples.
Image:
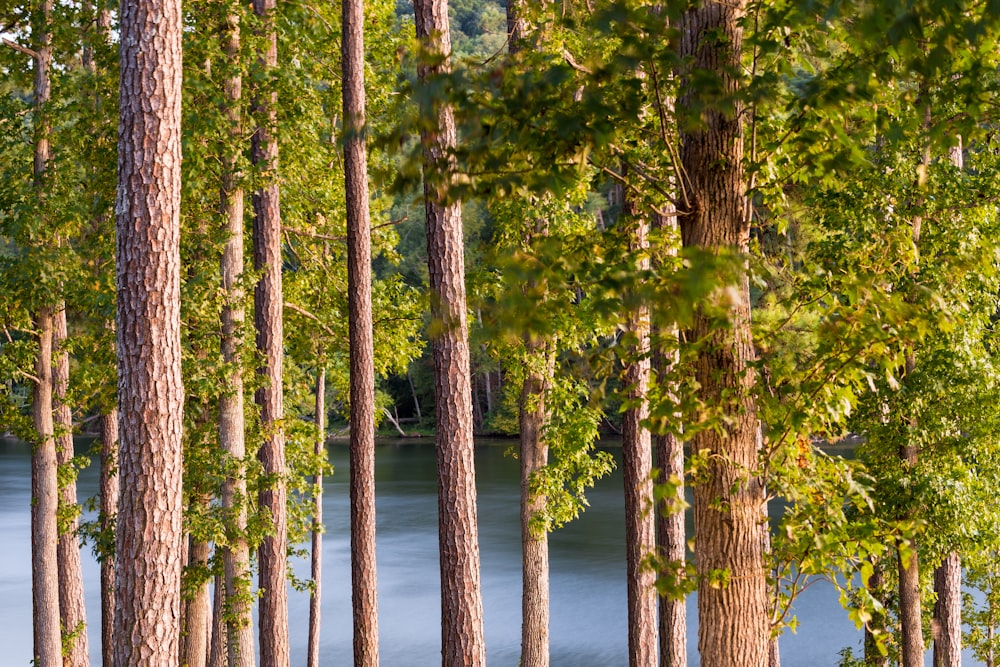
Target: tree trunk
[(217, 651), (733, 618), (362, 346), (232, 428), (151, 394), (534, 455), (108, 514), (44, 506), (637, 464), (461, 594), (72, 608), (316, 565), (194, 651), (274, 648), (948, 612)]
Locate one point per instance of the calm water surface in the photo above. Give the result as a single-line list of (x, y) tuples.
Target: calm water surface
[(587, 561)]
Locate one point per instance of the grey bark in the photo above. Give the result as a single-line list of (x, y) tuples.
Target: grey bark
[(316, 561)]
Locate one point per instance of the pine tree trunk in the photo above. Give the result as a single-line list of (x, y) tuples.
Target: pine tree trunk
[(637, 464), (948, 612), (197, 607), (44, 505), (151, 394), (534, 455), (268, 303), (461, 594), (232, 428), (316, 564), (362, 346), (108, 513), (217, 651), (72, 608), (733, 619)]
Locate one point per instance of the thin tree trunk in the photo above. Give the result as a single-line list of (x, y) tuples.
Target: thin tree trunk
[(461, 594), (44, 506), (534, 455), (108, 513), (413, 392), (151, 393), (274, 647), (637, 460), (217, 651), (733, 619), (362, 346), (72, 608), (197, 607), (232, 427), (873, 657), (316, 565)]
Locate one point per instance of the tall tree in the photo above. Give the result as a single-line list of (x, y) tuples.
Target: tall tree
[(269, 321), (151, 393), (316, 561), (232, 427), (362, 346), (733, 612), (109, 511), (461, 594)]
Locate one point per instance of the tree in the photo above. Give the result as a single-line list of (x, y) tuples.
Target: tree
[(728, 495), (269, 319), (151, 399), (364, 586), (461, 594)]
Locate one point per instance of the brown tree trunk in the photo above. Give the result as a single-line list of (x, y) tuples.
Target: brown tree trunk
[(273, 616), (948, 612), (197, 607), (733, 618), (637, 464), (72, 608), (151, 393), (461, 594), (108, 514), (534, 455), (44, 506), (232, 427), (316, 564), (362, 346), (217, 651)]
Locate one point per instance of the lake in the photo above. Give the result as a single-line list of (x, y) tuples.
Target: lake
[(588, 617)]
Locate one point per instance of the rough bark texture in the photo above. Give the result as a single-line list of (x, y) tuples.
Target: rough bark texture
[(273, 617), (72, 609), (534, 454), (316, 563), (462, 640), (197, 610), (362, 346), (733, 619), (948, 612), (911, 637), (44, 505), (108, 514), (217, 653), (637, 465), (232, 427), (151, 394)]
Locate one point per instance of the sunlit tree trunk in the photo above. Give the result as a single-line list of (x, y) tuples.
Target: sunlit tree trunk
[(362, 346), (316, 561), (197, 609), (728, 497), (461, 593), (109, 510), (72, 608), (217, 653), (151, 393), (269, 320)]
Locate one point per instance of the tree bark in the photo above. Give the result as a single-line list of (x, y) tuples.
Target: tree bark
[(461, 595), (151, 393), (268, 300), (733, 618), (72, 608), (232, 427), (107, 517), (217, 651), (637, 464), (316, 564), (197, 608), (362, 345)]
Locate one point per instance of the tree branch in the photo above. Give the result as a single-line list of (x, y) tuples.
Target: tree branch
[(22, 49), (339, 239)]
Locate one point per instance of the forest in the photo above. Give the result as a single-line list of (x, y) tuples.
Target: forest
[(754, 244)]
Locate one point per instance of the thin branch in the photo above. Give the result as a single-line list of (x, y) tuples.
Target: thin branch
[(340, 239), (23, 49), (305, 313), (571, 61)]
